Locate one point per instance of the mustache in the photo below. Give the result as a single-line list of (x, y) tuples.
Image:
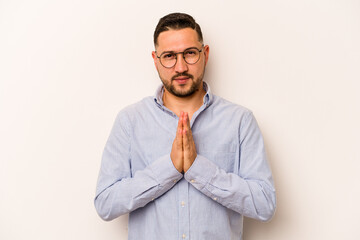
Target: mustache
[(182, 75)]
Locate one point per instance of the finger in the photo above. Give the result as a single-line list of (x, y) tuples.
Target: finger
[(186, 123), (178, 137), (185, 140), (177, 155), (185, 131), (180, 125), (180, 122), (188, 143)]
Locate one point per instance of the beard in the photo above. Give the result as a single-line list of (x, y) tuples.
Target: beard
[(177, 91)]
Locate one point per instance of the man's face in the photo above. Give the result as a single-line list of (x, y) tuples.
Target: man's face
[(183, 79)]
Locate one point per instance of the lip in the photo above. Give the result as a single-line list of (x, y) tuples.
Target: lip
[(182, 80)]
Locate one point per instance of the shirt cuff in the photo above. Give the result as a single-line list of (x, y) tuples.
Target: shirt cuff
[(201, 172), (164, 171)]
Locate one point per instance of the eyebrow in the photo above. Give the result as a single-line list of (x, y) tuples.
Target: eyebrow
[(180, 51)]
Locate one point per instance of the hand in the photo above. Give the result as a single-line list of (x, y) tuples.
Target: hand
[(177, 153), (183, 152), (188, 144)]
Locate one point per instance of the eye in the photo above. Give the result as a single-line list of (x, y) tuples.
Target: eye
[(168, 56), (190, 52)]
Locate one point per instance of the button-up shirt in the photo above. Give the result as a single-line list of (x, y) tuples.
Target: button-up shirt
[(230, 177)]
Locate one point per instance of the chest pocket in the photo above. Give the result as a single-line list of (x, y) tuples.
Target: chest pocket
[(223, 155)]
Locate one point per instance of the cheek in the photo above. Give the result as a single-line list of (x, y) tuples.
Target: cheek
[(198, 70), (165, 75)]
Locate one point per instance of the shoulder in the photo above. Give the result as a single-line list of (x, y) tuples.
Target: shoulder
[(132, 112), (225, 107), (237, 116), (138, 106)]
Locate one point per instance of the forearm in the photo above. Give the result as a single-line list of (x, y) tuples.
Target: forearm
[(129, 193), (253, 198)]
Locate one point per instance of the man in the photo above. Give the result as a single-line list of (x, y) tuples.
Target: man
[(185, 163)]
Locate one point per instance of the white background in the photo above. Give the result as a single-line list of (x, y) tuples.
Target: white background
[(67, 67)]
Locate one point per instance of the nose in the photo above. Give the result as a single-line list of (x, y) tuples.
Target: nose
[(180, 66)]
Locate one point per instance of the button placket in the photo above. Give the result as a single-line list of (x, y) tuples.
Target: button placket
[(184, 215)]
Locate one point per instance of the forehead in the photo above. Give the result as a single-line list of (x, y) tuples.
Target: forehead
[(177, 40)]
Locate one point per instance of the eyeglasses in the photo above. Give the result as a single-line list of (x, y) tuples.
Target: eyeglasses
[(190, 55)]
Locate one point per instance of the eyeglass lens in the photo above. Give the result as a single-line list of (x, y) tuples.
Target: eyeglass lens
[(191, 56)]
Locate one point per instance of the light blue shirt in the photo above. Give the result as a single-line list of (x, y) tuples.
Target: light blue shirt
[(230, 177)]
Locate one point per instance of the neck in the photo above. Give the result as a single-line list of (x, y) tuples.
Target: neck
[(189, 104)]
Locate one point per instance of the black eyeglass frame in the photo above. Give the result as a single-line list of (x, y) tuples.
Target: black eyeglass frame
[(176, 53)]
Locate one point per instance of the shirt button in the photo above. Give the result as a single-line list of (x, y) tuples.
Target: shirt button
[(175, 181), (182, 203), (215, 198), (183, 236), (192, 181)]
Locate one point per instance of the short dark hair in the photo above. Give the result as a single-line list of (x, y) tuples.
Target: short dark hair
[(176, 21)]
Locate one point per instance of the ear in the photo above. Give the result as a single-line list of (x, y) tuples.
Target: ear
[(206, 53), (153, 54)]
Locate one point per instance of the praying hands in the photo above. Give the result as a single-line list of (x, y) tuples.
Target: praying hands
[(183, 152)]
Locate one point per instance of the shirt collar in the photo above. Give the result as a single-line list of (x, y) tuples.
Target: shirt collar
[(160, 92)]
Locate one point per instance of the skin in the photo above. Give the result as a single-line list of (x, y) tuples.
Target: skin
[(183, 152), (183, 92)]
